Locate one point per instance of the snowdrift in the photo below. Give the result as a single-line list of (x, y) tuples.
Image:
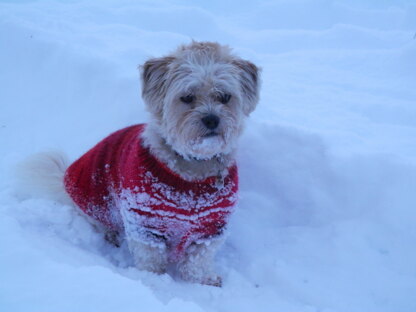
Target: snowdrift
[(326, 218)]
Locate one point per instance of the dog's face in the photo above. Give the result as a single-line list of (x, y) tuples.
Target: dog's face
[(199, 97)]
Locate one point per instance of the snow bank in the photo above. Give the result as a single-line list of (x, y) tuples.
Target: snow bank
[(327, 164)]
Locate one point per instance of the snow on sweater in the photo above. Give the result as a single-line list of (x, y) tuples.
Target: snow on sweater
[(121, 185)]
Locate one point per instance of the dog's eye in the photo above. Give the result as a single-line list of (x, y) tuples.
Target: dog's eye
[(224, 98), (188, 98)]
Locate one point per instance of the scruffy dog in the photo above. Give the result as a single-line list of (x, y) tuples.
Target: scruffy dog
[(168, 187)]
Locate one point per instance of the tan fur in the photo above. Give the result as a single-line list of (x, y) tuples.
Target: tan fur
[(177, 136), (176, 133)]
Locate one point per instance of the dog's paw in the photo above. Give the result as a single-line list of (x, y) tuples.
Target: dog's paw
[(113, 237), (203, 278), (213, 281)]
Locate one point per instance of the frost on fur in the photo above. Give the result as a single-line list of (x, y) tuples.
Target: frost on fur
[(203, 72), (171, 185)]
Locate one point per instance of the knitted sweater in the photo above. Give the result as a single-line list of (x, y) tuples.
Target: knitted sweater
[(123, 186)]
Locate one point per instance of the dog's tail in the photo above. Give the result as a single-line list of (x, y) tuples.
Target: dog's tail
[(42, 175)]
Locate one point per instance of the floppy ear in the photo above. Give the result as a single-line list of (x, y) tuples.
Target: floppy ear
[(154, 82), (250, 84)]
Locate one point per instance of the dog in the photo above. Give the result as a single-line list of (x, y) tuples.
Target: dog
[(168, 187)]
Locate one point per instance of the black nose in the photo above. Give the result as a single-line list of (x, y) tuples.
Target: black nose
[(211, 121)]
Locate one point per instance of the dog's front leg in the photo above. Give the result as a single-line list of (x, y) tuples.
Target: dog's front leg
[(197, 267), (149, 257)]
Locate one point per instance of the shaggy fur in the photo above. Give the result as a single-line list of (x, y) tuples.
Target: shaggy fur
[(176, 134), (198, 98)]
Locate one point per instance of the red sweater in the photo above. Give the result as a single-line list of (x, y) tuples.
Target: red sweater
[(121, 185)]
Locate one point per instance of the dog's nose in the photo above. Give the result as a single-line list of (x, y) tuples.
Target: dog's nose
[(211, 121)]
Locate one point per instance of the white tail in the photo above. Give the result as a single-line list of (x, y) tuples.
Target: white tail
[(42, 175)]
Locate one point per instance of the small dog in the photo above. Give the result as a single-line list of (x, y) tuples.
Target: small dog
[(168, 187)]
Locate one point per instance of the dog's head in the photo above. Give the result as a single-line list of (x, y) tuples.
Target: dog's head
[(199, 97)]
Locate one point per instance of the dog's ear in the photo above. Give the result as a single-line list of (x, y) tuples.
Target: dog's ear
[(250, 84), (154, 82)]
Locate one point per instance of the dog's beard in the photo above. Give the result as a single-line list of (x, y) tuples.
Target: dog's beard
[(206, 147), (189, 138), (199, 144)]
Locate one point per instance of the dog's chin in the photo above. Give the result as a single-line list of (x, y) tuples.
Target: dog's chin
[(206, 146)]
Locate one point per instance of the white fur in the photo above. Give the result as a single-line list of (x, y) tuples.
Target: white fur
[(41, 175), (176, 136), (205, 70), (152, 258), (198, 266)]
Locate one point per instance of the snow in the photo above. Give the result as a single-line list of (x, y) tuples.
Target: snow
[(326, 218)]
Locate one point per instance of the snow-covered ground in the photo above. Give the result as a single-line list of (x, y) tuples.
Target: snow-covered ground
[(327, 215)]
